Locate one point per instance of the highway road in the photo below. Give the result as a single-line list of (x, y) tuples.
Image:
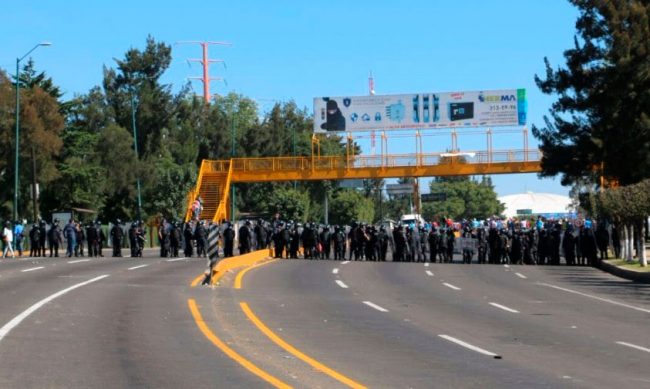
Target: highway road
[(127, 322)]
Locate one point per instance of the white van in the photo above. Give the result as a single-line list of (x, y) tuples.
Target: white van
[(412, 219)]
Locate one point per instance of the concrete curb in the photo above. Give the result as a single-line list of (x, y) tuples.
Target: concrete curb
[(227, 264), (625, 273)]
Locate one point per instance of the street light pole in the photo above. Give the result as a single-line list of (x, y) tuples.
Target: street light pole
[(135, 142), (17, 161), (232, 155)]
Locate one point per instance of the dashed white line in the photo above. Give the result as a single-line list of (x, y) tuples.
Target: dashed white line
[(504, 308), (469, 346), (335, 271), (137, 267), (79, 260), (596, 297), (16, 320), (345, 262), (33, 268), (451, 286), (426, 264), (429, 273), (506, 266), (375, 306), (176, 259), (634, 346), (521, 275), (341, 284)]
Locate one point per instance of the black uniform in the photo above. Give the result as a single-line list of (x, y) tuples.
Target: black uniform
[(116, 238), (228, 241), (93, 240), (54, 239), (34, 239), (187, 235)]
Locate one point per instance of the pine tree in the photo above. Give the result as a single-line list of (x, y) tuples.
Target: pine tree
[(600, 124)]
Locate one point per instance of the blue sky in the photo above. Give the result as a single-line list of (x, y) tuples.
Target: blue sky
[(297, 50)]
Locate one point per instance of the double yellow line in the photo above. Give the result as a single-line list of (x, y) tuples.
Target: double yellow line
[(272, 336)]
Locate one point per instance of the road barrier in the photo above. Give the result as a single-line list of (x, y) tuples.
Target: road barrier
[(230, 263)]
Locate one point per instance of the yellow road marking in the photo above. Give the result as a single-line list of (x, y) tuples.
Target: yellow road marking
[(240, 275), (197, 280), (298, 354), (230, 352)]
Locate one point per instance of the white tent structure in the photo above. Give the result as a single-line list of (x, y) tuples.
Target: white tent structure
[(544, 204)]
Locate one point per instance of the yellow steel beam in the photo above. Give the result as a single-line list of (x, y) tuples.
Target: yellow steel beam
[(340, 173)]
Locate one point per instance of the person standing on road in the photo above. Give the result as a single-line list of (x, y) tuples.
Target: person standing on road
[(245, 238), (8, 238), (34, 239), (569, 246), (228, 240), (80, 237), (132, 242), (70, 234), (92, 238), (116, 238), (42, 236), (101, 237), (18, 237), (187, 239), (54, 238)]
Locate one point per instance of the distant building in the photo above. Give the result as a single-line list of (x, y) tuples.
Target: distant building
[(547, 205)]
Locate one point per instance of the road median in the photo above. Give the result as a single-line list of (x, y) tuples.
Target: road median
[(628, 274)]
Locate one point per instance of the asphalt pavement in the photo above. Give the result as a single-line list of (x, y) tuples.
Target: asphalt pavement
[(139, 322)]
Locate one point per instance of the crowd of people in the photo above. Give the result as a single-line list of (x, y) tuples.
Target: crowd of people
[(493, 241), (72, 239)]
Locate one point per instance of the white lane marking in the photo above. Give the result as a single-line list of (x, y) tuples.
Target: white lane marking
[(634, 346), (375, 306), (335, 271), (429, 273), (504, 308), (16, 320), (137, 267), (451, 286), (469, 346), (176, 259), (79, 260), (341, 284), (596, 297), (33, 268), (521, 275), (506, 266), (345, 262), (426, 264)]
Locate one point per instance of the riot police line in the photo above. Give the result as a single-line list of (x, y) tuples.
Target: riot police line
[(493, 241), (77, 239)]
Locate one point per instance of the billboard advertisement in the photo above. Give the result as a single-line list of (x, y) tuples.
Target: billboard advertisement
[(490, 108)]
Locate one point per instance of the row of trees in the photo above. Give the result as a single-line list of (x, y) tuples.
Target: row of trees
[(627, 207)]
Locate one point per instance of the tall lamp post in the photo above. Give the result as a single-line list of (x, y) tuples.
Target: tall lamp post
[(16, 165), (135, 141)]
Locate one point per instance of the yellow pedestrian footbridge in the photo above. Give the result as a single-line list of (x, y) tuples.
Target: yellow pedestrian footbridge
[(215, 177)]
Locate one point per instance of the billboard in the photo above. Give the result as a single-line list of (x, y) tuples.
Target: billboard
[(490, 108)]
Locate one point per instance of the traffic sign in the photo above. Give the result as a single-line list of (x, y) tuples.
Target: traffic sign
[(434, 196), (395, 189)]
